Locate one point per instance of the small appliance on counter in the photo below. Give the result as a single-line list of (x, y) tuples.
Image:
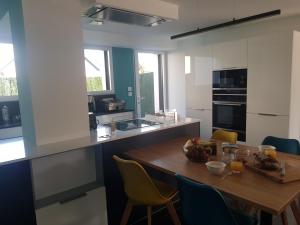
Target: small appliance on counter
[(111, 105), (93, 121), (5, 114), (105, 104)]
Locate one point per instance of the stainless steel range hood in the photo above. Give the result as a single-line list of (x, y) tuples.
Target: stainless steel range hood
[(102, 13)]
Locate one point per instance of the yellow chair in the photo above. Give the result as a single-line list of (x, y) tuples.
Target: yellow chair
[(226, 136), (142, 190)]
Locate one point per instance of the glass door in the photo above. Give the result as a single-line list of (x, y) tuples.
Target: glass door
[(149, 83)]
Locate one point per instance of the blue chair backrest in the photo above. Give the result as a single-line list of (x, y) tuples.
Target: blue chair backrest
[(283, 145), (202, 204)]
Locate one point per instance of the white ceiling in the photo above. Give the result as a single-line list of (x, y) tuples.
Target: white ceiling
[(201, 13)]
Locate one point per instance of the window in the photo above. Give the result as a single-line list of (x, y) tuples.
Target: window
[(98, 70), (187, 64), (8, 80)]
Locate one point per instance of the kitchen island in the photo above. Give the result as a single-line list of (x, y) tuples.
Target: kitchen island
[(15, 158)]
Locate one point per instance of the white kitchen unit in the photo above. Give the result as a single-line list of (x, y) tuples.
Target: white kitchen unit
[(205, 117), (269, 74), (87, 210), (108, 118), (199, 81), (230, 55), (260, 126), (62, 172), (269, 86), (199, 88)]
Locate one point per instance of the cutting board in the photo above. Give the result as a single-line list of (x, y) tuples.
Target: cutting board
[(292, 172)]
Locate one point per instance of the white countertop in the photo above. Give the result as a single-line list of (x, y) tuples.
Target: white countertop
[(13, 150)]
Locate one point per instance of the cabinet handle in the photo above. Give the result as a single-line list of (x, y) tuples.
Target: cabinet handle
[(229, 68), (267, 114), (197, 109), (72, 198)]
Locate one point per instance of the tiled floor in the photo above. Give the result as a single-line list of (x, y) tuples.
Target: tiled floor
[(89, 210)]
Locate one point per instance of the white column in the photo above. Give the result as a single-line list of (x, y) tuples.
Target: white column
[(53, 86)]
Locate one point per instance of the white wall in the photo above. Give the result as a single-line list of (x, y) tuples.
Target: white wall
[(54, 54), (160, 43)]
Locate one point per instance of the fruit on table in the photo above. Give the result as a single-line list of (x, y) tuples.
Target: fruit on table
[(270, 152), (197, 151), (266, 162), (196, 141)]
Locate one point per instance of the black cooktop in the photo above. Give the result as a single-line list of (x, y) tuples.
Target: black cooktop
[(134, 124)]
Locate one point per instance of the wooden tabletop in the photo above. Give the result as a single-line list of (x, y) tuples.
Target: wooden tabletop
[(248, 186)]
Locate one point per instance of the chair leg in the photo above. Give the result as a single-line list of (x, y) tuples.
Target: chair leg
[(173, 213), (284, 218), (126, 213), (296, 212), (149, 214)]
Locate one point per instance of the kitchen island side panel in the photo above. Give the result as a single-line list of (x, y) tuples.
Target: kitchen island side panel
[(16, 195), (115, 196)]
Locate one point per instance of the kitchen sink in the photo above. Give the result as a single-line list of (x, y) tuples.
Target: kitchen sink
[(134, 124)]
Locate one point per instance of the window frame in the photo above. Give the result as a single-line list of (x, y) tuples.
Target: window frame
[(163, 79), (12, 97), (110, 64)]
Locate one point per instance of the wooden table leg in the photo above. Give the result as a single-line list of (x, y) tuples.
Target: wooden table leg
[(296, 212), (266, 218), (284, 218), (149, 214)]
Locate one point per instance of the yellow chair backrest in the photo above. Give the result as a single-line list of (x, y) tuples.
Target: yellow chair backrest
[(226, 136), (137, 184)]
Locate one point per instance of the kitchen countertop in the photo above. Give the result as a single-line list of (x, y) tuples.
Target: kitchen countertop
[(13, 150)]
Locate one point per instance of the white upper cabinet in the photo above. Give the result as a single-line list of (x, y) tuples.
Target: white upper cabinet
[(199, 80), (269, 74), (230, 55)]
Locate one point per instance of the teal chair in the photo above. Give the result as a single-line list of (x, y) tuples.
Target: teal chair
[(290, 146), (283, 144), (202, 204)]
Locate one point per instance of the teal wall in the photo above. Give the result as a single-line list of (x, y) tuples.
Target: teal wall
[(24, 89), (124, 75)]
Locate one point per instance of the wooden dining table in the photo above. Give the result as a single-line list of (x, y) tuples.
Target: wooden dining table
[(254, 189)]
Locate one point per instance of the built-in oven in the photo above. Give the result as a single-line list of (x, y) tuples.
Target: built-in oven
[(233, 79), (230, 101), (230, 116)]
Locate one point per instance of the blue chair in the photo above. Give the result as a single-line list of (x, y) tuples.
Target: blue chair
[(202, 204), (283, 144), (290, 146)]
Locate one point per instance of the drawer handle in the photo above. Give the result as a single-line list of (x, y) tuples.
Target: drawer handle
[(197, 109), (267, 114), (72, 198)]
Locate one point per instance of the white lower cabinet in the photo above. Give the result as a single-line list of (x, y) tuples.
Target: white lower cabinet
[(261, 126), (59, 173), (87, 210), (205, 115)]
